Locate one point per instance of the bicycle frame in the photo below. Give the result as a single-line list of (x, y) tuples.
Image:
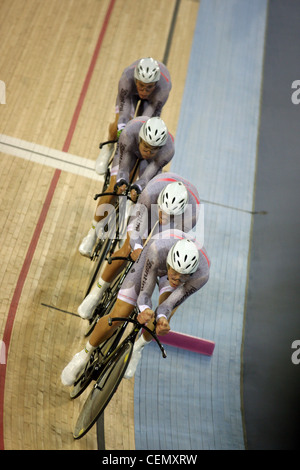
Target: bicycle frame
[(110, 373)]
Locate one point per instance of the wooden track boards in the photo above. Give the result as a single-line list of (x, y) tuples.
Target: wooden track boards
[(46, 60)]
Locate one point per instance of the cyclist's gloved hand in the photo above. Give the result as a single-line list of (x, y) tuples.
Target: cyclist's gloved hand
[(162, 326), (135, 191), (120, 186), (144, 316)]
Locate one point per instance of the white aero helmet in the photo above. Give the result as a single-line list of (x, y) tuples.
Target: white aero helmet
[(183, 257), (173, 198), (147, 70), (154, 132)]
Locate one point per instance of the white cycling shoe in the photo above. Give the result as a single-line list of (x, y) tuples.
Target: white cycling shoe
[(75, 366), (135, 359), (87, 307), (103, 159), (88, 243)]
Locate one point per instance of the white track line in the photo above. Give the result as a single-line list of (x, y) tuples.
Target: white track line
[(48, 156)]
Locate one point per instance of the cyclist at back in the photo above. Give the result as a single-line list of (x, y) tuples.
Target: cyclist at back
[(145, 141), (147, 80), (168, 201), (182, 268)]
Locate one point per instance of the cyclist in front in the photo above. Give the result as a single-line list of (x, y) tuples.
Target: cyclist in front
[(143, 140), (182, 268), (168, 201), (147, 80)]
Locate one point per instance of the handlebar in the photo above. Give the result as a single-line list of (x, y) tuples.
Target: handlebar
[(106, 194), (110, 259), (107, 142), (114, 194), (140, 325)]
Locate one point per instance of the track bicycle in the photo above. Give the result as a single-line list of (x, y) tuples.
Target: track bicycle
[(113, 230), (107, 368)]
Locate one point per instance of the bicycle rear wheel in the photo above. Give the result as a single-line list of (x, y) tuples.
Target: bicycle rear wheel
[(104, 389)]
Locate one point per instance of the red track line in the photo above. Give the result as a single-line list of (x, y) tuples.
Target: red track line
[(88, 78), (34, 241), (17, 294)]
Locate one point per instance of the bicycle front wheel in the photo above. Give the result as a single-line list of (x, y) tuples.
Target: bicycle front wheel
[(103, 390)]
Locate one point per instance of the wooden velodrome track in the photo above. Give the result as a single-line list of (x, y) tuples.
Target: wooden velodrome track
[(60, 61)]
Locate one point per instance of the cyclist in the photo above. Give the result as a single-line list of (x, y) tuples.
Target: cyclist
[(182, 268), (168, 199), (143, 140), (147, 80)]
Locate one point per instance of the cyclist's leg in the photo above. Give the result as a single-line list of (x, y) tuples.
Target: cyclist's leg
[(101, 213), (103, 330), (110, 272), (113, 128), (145, 337), (107, 150)]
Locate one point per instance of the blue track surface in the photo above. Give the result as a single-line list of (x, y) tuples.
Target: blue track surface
[(190, 401)]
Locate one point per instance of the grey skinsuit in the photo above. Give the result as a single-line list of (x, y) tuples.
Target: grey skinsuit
[(127, 154), (146, 210), (140, 282), (128, 97)]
